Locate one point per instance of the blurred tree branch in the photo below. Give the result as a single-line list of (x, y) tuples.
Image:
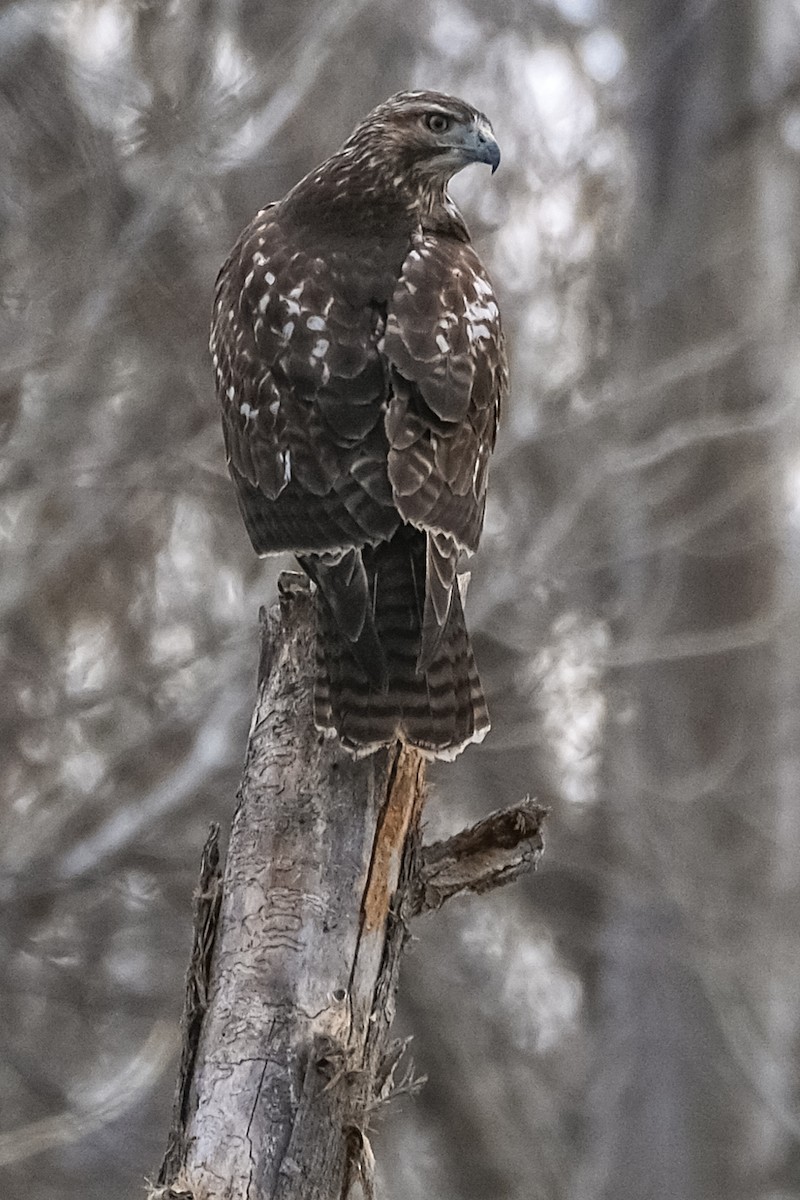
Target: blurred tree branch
[(120, 1092), (291, 987)]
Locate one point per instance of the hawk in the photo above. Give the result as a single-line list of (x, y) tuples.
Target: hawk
[(361, 369)]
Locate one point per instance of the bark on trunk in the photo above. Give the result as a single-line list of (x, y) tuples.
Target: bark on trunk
[(290, 992)]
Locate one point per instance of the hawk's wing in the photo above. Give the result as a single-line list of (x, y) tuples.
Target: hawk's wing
[(302, 387), (444, 343)]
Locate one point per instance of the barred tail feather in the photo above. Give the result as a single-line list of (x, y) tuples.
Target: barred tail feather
[(439, 709)]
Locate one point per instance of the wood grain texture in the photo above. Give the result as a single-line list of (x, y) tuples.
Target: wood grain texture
[(301, 994), (291, 987), (488, 855)]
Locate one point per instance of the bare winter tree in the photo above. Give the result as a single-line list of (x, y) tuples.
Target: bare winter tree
[(631, 1024), (287, 1050), (683, 1003)]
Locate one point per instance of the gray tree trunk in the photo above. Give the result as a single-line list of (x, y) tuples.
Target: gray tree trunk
[(290, 994), (695, 573)]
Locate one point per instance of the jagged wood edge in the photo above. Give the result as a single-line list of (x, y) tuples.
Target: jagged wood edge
[(207, 899)]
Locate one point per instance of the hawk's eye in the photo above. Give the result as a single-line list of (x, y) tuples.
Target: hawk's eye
[(438, 122)]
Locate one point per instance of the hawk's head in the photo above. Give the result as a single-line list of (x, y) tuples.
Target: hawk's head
[(426, 134)]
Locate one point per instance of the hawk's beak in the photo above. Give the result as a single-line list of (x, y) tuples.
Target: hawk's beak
[(481, 146)]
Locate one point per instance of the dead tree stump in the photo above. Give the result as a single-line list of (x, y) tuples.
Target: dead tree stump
[(287, 1044)]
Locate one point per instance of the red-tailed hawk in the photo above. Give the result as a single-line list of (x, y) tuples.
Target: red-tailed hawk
[(360, 365)]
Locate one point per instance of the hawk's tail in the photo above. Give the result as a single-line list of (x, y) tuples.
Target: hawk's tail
[(440, 709)]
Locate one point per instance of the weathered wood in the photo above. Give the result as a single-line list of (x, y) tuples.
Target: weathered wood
[(207, 900), (287, 1043), (490, 854)]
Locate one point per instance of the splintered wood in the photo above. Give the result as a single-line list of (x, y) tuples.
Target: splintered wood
[(401, 810), (291, 990), (307, 947)]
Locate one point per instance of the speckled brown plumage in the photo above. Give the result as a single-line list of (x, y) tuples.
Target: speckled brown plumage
[(360, 366)]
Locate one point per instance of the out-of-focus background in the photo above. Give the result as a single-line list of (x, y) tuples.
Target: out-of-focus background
[(623, 1026)]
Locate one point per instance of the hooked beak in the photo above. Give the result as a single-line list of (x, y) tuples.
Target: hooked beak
[(481, 146)]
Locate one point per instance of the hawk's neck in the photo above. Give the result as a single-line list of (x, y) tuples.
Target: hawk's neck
[(362, 197)]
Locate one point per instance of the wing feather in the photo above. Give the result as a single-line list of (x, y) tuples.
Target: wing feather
[(445, 349), (444, 344), (303, 389)]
